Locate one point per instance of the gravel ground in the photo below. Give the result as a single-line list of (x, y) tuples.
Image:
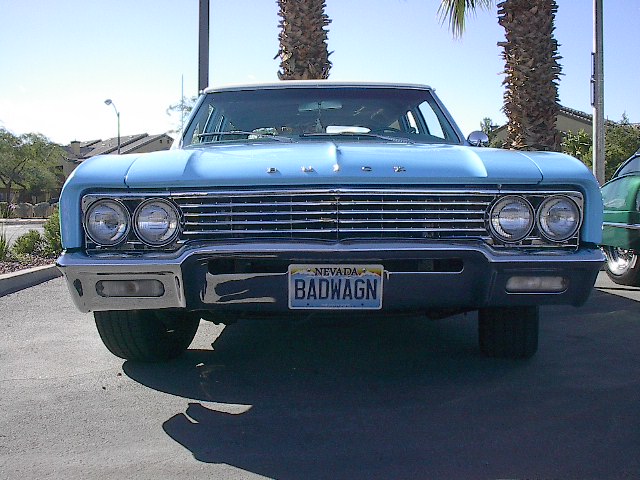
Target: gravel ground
[(10, 266)]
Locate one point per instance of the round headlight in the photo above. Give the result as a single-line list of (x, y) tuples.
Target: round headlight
[(107, 222), (156, 222), (558, 218), (511, 218)]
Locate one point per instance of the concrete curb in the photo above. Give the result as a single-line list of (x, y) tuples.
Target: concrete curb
[(16, 281), (22, 221)]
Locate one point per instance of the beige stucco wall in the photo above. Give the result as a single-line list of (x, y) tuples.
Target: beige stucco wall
[(563, 123)]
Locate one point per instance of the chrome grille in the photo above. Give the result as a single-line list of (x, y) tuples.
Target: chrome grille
[(334, 214)]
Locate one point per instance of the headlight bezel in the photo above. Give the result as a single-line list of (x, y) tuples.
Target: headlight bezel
[(171, 208), (540, 222), (123, 234), (494, 215), (539, 237)]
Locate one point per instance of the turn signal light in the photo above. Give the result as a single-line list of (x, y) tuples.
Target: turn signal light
[(522, 284), (130, 288)]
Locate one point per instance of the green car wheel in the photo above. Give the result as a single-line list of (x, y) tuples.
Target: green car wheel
[(623, 266)]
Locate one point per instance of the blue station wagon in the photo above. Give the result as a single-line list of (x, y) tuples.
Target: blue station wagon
[(297, 197)]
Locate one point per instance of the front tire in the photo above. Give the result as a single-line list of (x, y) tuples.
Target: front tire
[(623, 266), (508, 332), (146, 335)]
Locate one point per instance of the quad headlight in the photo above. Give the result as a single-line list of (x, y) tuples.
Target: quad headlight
[(107, 222), (511, 218), (558, 218), (156, 222)]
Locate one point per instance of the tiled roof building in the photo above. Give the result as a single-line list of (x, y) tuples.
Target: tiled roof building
[(78, 151), (568, 120)]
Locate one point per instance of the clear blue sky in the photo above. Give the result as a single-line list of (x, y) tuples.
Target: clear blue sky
[(61, 60)]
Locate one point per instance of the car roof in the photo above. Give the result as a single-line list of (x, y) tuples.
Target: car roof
[(314, 84)]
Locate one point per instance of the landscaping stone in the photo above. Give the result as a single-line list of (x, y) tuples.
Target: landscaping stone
[(42, 210), (23, 210)]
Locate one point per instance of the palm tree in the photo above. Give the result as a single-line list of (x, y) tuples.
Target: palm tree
[(303, 50), (532, 70), (456, 12)]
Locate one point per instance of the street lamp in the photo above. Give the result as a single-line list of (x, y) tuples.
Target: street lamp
[(109, 102)]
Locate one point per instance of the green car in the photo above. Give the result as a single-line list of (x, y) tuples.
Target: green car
[(621, 227)]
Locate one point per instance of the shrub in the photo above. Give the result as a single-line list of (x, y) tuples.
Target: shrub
[(30, 243), (5, 210), (4, 246), (52, 238)]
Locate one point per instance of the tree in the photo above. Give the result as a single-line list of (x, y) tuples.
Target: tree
[(487, 126), (532, 70), (303, 49), (28, 161), (621, 141), (180, 111), (579, 145), (455, 11)]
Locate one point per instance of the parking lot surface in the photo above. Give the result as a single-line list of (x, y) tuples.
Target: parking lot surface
[(323, 398)]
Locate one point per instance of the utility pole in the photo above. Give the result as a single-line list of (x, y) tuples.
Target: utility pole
[(597, 93), (203, 46)]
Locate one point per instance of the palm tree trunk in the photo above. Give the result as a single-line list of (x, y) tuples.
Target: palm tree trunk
[(532, 72), (303, 50)]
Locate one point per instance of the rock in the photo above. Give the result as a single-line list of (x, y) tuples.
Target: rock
[(23, 210), (42, 210)]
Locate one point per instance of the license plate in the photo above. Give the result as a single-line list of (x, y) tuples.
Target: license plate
[(343, 286)]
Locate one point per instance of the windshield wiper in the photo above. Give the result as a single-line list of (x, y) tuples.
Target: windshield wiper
[(354, 134), (278, 138)]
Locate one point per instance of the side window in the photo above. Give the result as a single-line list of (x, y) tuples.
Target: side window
[(431, 120), (413, 125), (199, 125), (632, 166)]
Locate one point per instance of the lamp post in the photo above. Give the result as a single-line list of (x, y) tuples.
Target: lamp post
[(109, 102)]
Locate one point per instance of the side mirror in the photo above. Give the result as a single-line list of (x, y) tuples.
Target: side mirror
[(478, 139)]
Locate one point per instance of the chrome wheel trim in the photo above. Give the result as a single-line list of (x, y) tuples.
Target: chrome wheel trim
[(619, 260)]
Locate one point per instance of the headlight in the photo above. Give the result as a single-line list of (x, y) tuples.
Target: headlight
[(511, 218), (107, 222), (156, 222), (558, 218)]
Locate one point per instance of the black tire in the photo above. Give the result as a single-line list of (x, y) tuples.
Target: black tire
[(623, 266), (146, 335), (508, 332)]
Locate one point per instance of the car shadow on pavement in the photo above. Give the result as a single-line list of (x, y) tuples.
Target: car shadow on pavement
[(394, 398)]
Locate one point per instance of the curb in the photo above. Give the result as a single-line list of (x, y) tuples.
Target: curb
[(21, 221), (16, 281)]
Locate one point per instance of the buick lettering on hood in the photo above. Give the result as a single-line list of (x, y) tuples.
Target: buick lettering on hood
[(289, 198)]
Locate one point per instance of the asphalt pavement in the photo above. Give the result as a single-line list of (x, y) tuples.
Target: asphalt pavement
[(330, 398)]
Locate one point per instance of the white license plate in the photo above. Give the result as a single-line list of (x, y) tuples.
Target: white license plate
[(343, 286)]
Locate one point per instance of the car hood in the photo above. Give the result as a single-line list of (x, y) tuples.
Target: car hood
[(328, 163)]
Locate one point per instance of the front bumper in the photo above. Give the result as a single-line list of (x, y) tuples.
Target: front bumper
[(252, 278)]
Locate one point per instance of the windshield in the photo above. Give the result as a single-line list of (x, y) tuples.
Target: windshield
[(299, 114)]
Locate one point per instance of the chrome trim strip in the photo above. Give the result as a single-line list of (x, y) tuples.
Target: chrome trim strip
[(324, 191), (626, 226)]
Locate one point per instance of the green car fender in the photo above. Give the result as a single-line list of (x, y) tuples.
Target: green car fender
[(621, 227)]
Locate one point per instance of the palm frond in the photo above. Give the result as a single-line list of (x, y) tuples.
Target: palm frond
[(455, 11)]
